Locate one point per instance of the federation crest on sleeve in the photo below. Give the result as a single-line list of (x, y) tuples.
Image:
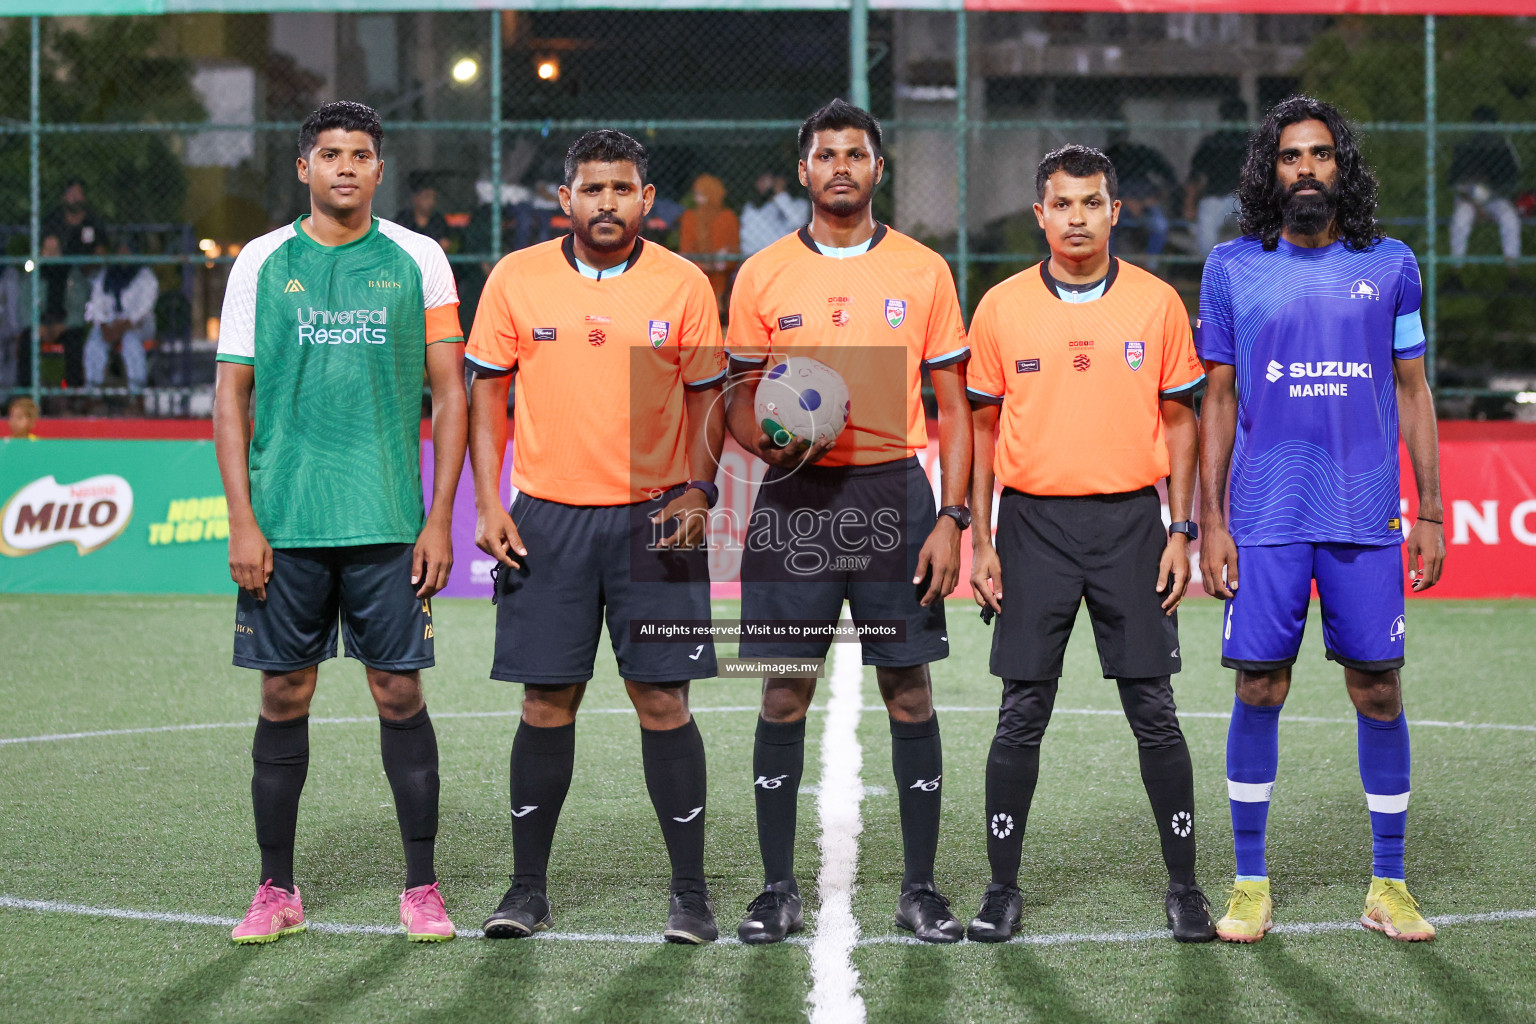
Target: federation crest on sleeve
[(895, 312), (660, 331), (1135, 354)]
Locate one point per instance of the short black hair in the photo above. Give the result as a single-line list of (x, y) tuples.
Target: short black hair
[(1078, 162), (605, 146), (837, 116), (343, 114)]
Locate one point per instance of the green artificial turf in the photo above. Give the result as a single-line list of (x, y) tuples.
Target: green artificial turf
[(160, 822)]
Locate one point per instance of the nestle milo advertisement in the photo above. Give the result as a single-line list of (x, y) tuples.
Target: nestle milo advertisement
[(144, 517)]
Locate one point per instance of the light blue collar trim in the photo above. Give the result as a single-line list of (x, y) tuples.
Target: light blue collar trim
[(1068, 295), (600, 275), (843, 254)]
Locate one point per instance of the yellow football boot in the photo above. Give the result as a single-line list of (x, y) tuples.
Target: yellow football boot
[(1389, 908), (1250, 912)]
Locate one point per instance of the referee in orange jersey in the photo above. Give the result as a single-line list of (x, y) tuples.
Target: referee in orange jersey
[(1081, 380)]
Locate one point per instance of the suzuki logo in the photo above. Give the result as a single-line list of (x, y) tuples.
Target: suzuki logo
[(1274, 372)]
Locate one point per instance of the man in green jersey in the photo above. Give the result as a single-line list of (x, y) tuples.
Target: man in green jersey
[(328, 326)]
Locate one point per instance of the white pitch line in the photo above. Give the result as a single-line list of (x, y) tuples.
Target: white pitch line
[(952, 708), (1044, 939), (834, 996)]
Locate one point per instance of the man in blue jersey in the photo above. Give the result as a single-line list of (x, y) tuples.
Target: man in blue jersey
[(1310, 331)]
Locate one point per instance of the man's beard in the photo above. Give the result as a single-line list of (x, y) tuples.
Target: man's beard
[(846, 204), (1310, 214), (586, 233)]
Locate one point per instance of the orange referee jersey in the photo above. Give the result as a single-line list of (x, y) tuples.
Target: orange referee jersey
[(601, 368), (1080, 383), (875, 318)]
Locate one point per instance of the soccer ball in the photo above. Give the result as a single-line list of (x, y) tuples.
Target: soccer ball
[(801, 401)]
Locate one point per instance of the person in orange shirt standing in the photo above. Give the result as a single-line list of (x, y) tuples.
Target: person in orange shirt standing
[(710, 227), (618, 426), (1082, 377), (853, 520)]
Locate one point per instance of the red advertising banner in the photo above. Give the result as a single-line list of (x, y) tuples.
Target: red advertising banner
[(1486, 7), (1488, 477)]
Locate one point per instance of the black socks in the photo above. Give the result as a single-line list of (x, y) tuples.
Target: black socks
[(280, 757), (542, 761), (1011, 776), (778, 760), (1170, 783), (409, 750), (674, 775), (918, 760)]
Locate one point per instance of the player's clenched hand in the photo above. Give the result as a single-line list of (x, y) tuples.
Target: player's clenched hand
[(250, 558), (497, 536), (791, 456), (939, 561), (1175, 563), (1426, 554), (691, 510), (987, 577), (432, 559), (1218, 562)]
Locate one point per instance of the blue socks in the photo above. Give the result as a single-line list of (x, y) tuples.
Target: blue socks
[(1384, 763), (1253, 758)]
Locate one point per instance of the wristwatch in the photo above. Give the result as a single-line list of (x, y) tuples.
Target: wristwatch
[(1187, 527), (711, 492), (959, 513)]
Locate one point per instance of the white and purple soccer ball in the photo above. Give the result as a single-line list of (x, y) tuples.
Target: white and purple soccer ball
[(801, 401)]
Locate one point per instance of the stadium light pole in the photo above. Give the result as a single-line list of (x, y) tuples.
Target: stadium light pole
[(962, 160), (35, 217), (496, 119), (858, 53), (1432, 258)]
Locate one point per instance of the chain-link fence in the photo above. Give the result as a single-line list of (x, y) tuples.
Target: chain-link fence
[(137, 154)]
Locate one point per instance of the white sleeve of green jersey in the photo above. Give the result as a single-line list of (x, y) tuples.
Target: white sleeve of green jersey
[(437, 284), (237, 322)]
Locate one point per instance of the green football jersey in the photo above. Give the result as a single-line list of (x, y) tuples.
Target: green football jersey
[(338, 337)]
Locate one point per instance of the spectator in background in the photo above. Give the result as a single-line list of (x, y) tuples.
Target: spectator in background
[(774, 215), (15, 318), (422, 216), (708, 227), (121, 312), (1485, 174), (1145, 178), (70, 229), (1210, 195), (23, 417)]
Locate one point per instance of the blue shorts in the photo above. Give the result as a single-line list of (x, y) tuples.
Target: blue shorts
[(1361, 591)]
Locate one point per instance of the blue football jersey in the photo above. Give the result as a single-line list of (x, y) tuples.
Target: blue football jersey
[(1312, 334)]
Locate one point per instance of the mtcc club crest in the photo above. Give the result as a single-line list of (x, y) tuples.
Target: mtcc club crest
[(1363, 289), (660, 329), (895, 312), (1135, 354)]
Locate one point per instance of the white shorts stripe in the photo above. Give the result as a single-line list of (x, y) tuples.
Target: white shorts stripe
[(1250, 792), (1387, 804)]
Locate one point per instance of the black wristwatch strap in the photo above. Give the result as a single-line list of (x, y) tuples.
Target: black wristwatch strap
[(1187, 527), (959, 513), (711, 492)]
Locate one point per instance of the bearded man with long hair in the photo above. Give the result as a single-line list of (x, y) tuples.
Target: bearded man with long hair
[(1310, 331)]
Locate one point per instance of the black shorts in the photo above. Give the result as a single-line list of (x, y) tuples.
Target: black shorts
[(820, 535), (368, 587), (1056, 552), (585, 561)]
